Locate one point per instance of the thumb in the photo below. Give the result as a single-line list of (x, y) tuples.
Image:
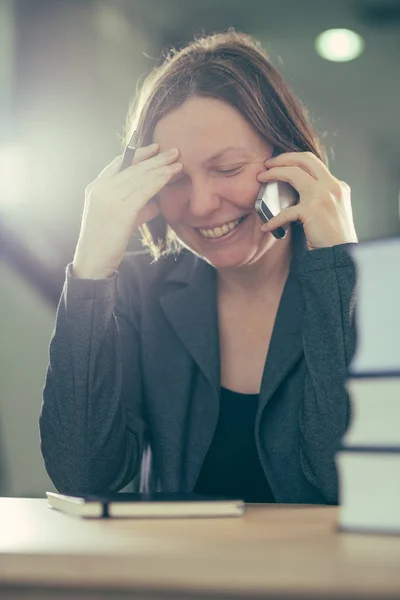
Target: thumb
[(287, 215), (148, 212)]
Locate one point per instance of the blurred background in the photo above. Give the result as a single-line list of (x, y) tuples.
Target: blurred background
[(68, 71)]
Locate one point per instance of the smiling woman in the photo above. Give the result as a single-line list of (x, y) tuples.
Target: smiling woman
[(234, 70), (212, 198), (218, 368)]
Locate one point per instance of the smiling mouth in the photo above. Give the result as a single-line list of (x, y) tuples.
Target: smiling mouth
[(220, 232)]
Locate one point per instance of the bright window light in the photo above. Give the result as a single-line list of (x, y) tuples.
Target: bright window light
[(339, 45), (12, 174)]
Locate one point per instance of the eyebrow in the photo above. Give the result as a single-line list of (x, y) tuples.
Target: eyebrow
[(224, 151)]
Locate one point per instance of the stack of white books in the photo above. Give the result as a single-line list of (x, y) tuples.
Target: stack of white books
[(368, 462)]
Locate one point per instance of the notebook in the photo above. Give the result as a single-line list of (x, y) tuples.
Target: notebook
[(156, 505)]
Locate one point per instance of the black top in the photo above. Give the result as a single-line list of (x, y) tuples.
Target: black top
[(232, 466)]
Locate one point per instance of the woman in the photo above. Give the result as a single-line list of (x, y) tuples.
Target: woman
[(218, 368)]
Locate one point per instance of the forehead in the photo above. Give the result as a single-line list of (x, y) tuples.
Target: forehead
[(204, 124)]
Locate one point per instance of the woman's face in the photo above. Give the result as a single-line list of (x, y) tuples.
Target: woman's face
[(216, 190)]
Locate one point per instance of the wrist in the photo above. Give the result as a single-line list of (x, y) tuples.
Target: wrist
[(86, 272)]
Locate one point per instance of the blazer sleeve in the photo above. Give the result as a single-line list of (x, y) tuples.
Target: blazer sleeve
[(328, 282), (91, 420)]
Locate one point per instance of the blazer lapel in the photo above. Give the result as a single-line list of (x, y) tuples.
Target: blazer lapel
[(190, 305), (286, 346)]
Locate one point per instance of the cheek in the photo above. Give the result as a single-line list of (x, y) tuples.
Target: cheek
[(244, 193), (243, 188), (241, 191)]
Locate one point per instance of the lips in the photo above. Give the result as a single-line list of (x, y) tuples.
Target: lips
[(226, 236), (221, 224)]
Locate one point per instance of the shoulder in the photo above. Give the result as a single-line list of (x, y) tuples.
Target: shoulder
[(139, 270)]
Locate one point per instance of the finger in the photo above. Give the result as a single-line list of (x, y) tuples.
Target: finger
[(147, 167), (299, 179), (145, 152), (287, 215), (111, 169), (127, 157), (134, 156), (116, 164), (307, 161), (147, 213), (149, 186), (163, 158)]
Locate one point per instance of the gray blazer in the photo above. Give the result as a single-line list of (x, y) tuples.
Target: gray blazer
[(134, 377)]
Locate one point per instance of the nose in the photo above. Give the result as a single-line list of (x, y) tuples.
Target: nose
[(203, 199)]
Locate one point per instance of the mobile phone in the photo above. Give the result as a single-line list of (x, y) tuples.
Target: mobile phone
[(271, 199)]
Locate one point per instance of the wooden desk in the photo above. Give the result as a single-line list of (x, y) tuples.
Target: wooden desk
[(274, 551)]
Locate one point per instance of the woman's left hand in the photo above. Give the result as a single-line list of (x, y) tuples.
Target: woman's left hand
[(324, 206)]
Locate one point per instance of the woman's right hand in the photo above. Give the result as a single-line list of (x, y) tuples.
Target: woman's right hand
[(116, 204)]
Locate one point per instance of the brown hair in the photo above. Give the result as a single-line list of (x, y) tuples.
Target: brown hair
[(234, 68)]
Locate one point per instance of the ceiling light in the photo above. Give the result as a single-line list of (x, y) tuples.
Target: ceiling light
[(339, 45)]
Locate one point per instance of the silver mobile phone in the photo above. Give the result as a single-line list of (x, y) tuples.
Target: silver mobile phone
[(271, 199)]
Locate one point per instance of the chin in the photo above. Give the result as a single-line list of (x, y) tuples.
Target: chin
[(225, 258), (232, 262), (243, 247)]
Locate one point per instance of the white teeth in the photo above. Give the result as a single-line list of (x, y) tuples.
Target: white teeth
[(220, 231)]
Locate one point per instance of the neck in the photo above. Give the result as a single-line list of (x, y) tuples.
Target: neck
[(269, 272)]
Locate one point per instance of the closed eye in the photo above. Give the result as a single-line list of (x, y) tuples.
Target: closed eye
[(227, 172)]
